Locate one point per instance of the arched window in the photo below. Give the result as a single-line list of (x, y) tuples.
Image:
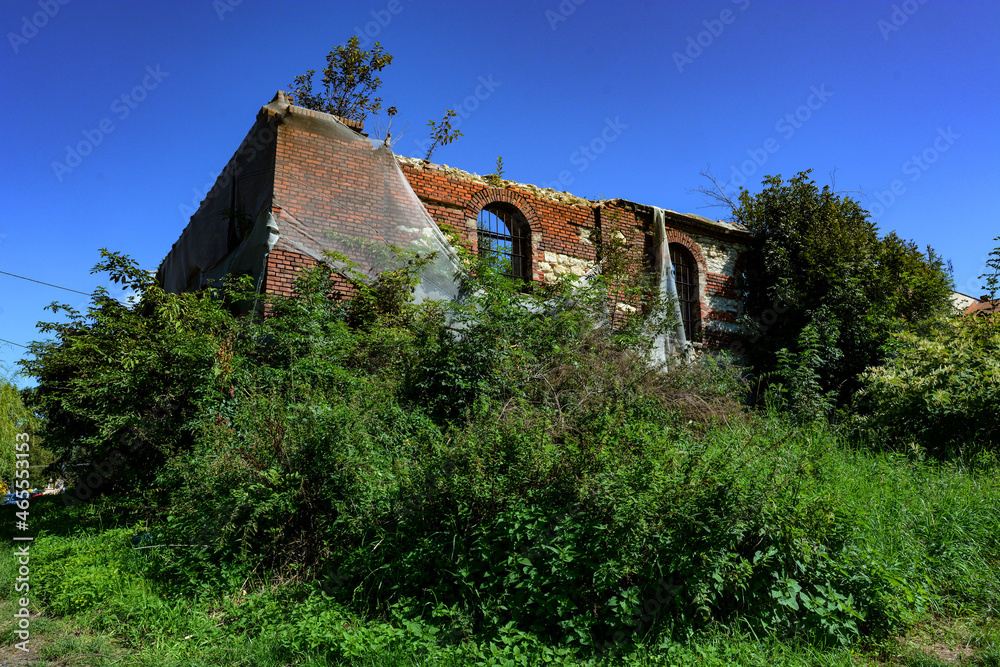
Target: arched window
[(686, 277), (503, 231)]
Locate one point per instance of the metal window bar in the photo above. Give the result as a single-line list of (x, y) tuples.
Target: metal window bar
[(502, 233), (686, 291)]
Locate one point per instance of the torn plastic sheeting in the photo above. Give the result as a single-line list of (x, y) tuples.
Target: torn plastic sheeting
[(371, 207), (250, 257), (667, 345)]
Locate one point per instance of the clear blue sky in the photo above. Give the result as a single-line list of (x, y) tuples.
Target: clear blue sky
[(627, 100)]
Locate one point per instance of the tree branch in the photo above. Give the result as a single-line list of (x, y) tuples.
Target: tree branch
[(716, 194)]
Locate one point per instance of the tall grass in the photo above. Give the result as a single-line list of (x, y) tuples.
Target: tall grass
[(934, 526)]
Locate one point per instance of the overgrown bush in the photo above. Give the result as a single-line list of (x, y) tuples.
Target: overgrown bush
[(513, 467), (941, 393), (520, 467), (120, 389), (795, 385)]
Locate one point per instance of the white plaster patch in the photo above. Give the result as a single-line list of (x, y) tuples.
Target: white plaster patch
[(720, 257)]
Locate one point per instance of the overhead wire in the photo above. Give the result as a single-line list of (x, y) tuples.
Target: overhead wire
[(42, 282)]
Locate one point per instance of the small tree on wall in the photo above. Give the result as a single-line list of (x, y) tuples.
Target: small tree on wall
[(442, 133), (350, 79), (350, 82)]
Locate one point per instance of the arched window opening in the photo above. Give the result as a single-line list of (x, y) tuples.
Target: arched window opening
[(686, 277), (503, 232)]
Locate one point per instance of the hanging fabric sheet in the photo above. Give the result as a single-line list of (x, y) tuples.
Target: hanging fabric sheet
[(672, 344)]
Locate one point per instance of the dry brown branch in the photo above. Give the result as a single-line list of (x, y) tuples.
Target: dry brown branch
[(716, 194)]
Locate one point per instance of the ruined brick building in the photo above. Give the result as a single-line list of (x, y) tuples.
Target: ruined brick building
[(304, 182)]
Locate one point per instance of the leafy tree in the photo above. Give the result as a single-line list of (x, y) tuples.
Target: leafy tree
[(941, 392), (815, 260), (992, 285), (120, 385), (16, 418), (917, 285), (350, 79)]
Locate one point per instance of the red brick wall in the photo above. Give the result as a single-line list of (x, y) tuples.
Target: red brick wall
[(283, 267), (335, 186), (327, 184), (555, 227)]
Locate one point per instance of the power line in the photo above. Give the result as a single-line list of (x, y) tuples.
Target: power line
[(14, 275), (10, 342)]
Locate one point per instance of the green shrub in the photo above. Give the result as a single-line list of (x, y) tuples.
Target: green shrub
[(796, 386), (15, 419), (120, 387), (940, 393)]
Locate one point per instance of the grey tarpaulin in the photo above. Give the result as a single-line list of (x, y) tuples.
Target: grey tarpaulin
[(371, 205), (241, 195), (675, 343)]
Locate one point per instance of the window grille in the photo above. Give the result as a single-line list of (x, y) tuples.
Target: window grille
[(503, 232), (686, 277)]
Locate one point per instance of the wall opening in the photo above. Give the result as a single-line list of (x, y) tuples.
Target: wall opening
[(686, 277), (501, 230)]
